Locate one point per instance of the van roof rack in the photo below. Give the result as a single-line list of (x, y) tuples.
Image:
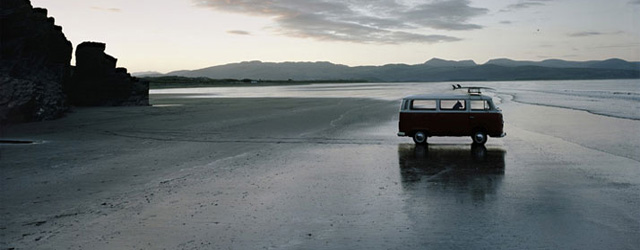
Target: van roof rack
[(471, 90)]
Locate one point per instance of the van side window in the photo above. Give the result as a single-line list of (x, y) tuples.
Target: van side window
[(452, 105), (423, 104), (480, 105)]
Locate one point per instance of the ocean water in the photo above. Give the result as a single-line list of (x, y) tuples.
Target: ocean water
[(614, 98)]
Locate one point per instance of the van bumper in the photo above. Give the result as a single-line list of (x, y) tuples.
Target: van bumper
[(401, 134), (501, 135)]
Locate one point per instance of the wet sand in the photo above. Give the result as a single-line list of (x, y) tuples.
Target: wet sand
[(309, 173)]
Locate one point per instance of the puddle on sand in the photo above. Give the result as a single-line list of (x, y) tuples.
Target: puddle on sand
[(166, 105), (454, 169), (18, 142)]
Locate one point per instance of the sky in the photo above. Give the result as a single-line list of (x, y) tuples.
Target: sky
[(168, 35)]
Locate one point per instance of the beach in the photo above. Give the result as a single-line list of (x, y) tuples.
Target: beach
[(320, 166)]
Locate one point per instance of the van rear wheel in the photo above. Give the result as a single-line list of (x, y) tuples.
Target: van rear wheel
[(420, 137), (479, 137)]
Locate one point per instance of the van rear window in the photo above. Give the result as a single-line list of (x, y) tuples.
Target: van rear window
[(480, 105), (423, 104)]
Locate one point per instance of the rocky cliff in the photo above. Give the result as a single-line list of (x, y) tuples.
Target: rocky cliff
[(34, 64), (37, 81)]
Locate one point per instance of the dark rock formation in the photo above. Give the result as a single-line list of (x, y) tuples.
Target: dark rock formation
[(36, 81), (97, 82), (34, 64)]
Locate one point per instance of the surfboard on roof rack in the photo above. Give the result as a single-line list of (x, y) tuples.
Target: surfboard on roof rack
[(474, 90)]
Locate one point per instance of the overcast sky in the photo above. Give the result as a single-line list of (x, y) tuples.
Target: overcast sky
[(166, 35)]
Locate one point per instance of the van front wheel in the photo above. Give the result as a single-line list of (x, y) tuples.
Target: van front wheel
[(420, 137), (479, 137)]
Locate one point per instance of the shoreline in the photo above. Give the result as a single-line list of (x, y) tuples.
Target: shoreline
[(214, 83)]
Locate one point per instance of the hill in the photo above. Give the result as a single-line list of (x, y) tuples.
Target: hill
[(432, 70)]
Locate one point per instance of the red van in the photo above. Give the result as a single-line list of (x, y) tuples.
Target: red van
[(472, 114)]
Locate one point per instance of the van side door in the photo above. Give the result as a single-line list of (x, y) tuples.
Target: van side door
[(453, 117), (481, 116), (418, 115)]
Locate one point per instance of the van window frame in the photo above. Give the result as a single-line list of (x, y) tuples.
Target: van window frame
[(450, 108), (486, 104), (435, 105)]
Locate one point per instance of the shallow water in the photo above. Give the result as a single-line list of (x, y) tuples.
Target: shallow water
[(615, 98)]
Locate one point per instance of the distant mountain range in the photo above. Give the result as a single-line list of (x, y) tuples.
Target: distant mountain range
[(433, 70)]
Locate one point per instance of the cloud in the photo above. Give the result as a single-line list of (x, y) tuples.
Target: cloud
[(593, 33), (625, 45), (106, 9), (361, 21), (634, 2), (524, 4), (239, 32), (585, 33), (445, 15)]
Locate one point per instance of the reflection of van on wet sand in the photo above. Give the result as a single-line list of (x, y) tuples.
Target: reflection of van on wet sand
[(471, 114)]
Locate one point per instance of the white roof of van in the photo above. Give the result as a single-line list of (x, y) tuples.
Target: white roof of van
[(448, 96)]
